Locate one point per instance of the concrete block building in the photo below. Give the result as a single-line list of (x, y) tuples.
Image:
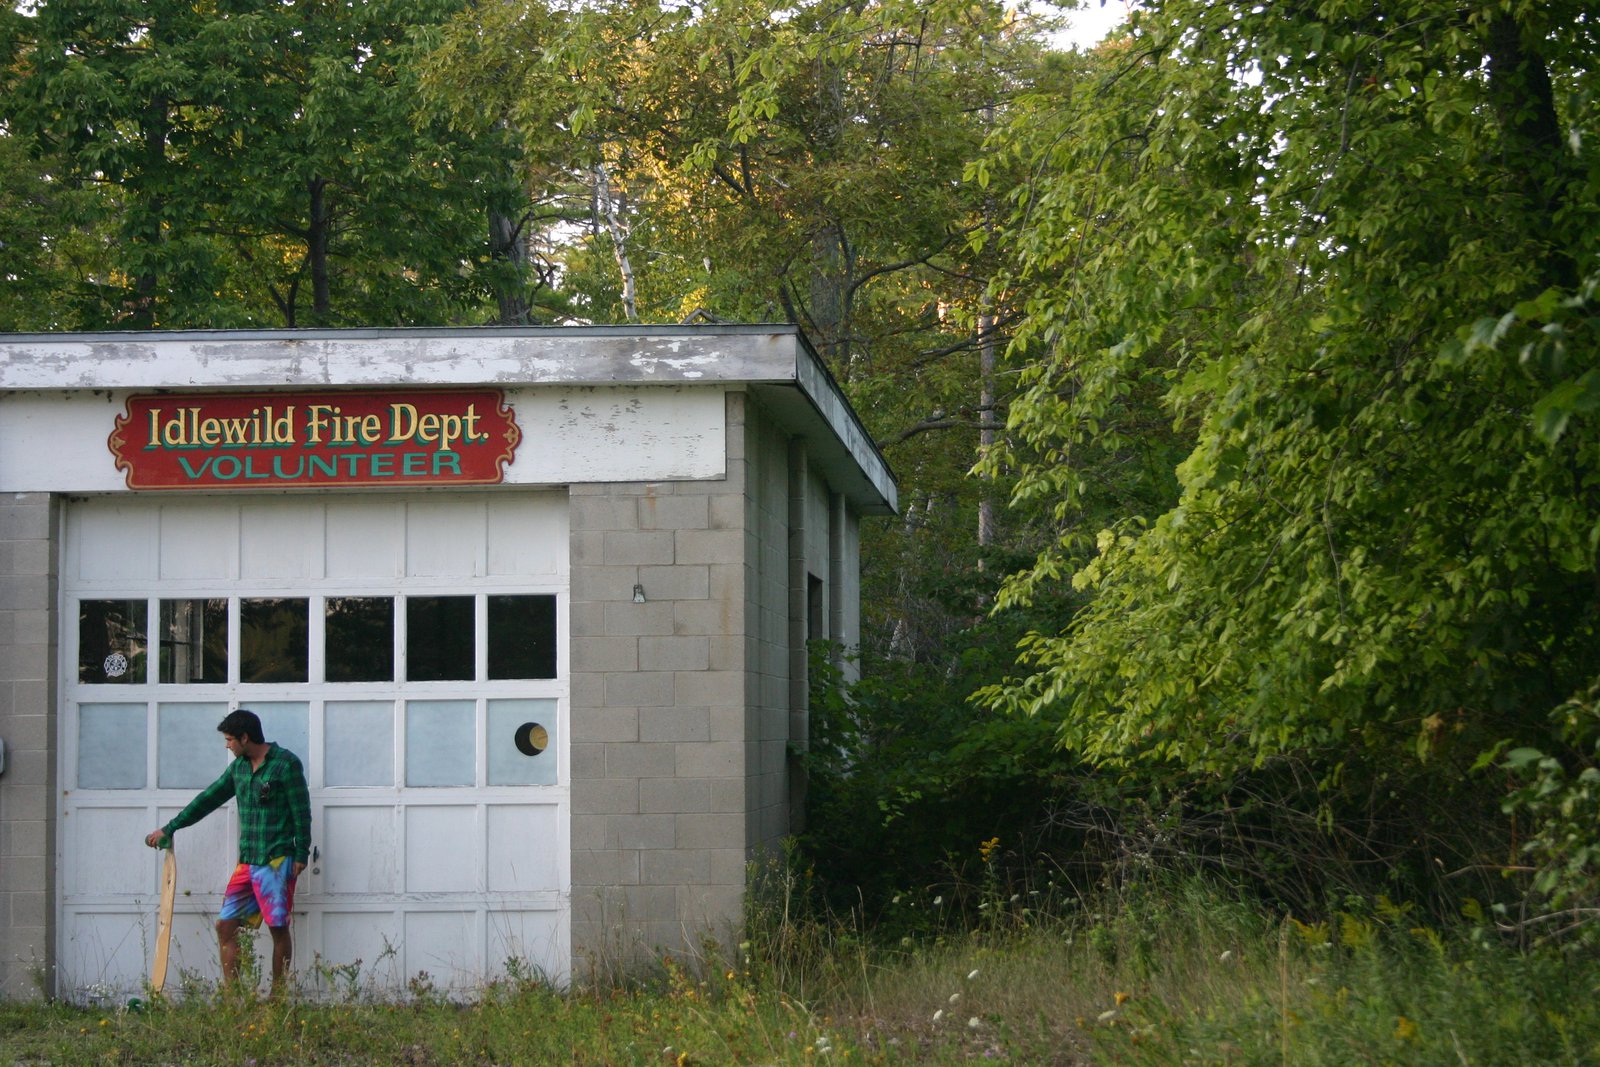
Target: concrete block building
[(532, 606)]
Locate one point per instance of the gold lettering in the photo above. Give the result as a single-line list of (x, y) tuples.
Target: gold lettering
[(402, 422)]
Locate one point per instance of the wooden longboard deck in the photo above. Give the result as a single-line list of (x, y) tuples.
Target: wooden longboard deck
[(169, 893)]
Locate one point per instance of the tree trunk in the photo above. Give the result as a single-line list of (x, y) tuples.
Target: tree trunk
[(317, 238), (506, 246), (987, 429), (157, 123), (1524, 100), (618, 229)]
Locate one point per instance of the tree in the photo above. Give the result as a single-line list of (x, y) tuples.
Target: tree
[(269, 164), (802, 164), (1314, 234)]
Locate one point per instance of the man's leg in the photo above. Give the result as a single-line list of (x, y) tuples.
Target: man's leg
[(282, 953), (228, 943), (238, 907)]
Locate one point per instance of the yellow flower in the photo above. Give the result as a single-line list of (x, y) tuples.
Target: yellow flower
[(1405, 1030), (1121, 998), (986, 849)]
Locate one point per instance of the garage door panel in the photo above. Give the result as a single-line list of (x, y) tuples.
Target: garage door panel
[(358, 743), (527, 535), (112, 543), (442, 849), (532, 943), (190, 753), (368, 941), (109, 855), (444, 540), (281, 540), (104, 953), (199, 541), (366, 539), (523, 844), (287, 722), (194, 947), (359, 850), (446, 945), (207, 852), (113, 746)]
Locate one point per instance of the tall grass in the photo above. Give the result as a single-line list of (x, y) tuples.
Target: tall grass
[(1184, 975)]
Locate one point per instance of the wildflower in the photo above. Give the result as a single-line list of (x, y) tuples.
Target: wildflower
[(1226, 956), (1015, 897), (938, 901), (954, 997), (972, 974), (1121, 998), (938, 1015), (972, 1023), (1106, 1016), (896, 899), (105, 1022), (1405, 1030)]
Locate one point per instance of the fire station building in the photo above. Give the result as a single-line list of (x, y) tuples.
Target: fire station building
[(531, 605)]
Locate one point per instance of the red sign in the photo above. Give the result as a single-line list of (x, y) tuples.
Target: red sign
[(289, 440)]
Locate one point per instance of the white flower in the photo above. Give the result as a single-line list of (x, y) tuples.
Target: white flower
[(896, 899), (1226, 956), (938, 1015), (972, 1023), (1107, 1016), (937, 901), (954, 997), (972, 974), (1015, 897)]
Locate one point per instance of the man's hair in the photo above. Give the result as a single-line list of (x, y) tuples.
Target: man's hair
[(243, 724)]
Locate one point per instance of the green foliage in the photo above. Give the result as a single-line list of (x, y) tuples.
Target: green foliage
[(1181, 974), (1342, 249), (1560, 796), (263, 166)]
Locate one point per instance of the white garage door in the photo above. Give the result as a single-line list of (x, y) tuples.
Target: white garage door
[(411, 650)]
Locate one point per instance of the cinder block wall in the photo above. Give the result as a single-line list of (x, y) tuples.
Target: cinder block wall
[(768, 691), (658, 713), (28, 671)]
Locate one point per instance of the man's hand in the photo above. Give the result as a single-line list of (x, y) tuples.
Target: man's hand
[(154, 838), (298, 867)]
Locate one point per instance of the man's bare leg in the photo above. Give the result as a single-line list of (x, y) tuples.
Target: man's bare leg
[(228, 944), (282, 953)]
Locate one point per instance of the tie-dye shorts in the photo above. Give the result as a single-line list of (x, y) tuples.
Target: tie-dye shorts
[(260, 890)]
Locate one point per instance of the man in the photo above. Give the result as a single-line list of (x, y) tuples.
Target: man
[(274, 838)]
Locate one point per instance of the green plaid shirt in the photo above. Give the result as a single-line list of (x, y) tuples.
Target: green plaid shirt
[(274, 807)]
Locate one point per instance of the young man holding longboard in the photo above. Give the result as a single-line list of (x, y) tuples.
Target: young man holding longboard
[(274, 840)]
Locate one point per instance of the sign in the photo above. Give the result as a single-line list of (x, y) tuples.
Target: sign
[(295, 440)]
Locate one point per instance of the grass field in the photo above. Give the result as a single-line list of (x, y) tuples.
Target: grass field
[(1182, 978)]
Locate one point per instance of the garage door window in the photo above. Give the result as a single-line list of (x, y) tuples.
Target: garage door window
[(272, 639), (112, 647), (439, 639), (194, 641), (360, 639), (522, 636)]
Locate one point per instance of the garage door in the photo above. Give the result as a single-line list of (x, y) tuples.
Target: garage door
[(411, 650)]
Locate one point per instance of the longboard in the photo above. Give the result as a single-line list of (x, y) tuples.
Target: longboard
[(169, 893)]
